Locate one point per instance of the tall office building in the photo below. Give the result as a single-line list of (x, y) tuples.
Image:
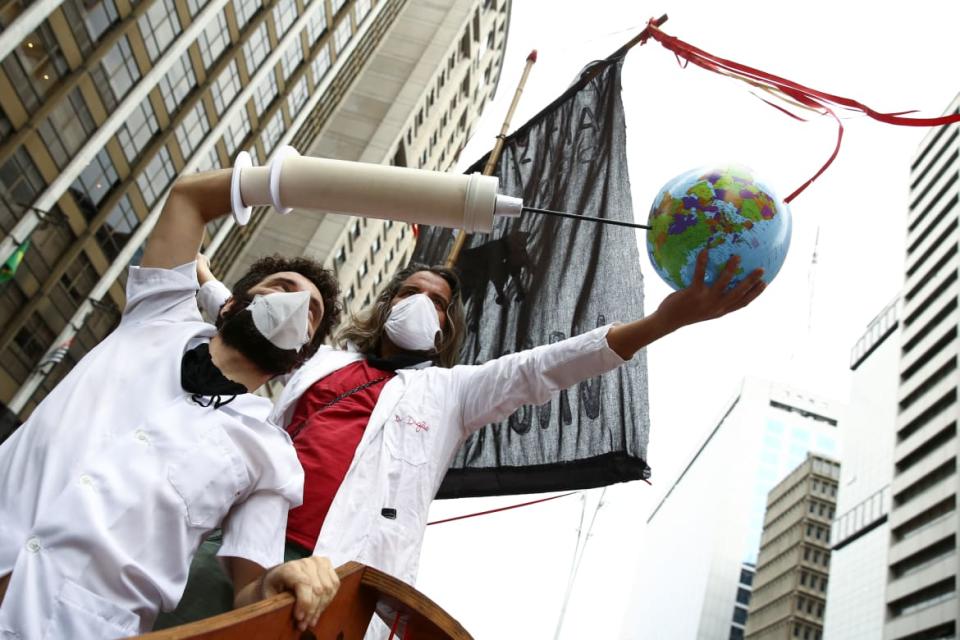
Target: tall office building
[(415, 105), (790, 585), (104, 102), (921, 594), (705, 532), (861, 531)]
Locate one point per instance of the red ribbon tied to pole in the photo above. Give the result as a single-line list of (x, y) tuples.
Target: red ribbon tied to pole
[(798, 94)]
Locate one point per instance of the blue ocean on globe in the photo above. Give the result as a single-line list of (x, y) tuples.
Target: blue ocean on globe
[(724, 209)]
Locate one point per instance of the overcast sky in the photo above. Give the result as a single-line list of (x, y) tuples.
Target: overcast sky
[(504, 575)]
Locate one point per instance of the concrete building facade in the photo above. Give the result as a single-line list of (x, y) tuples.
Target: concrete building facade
[(103, 103), (415, 105), (790, 585), (706, 529), (860, 532), (921, 592)]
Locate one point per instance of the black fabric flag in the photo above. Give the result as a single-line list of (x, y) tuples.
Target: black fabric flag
[(538, 279)]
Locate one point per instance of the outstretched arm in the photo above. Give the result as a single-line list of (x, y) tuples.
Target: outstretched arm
[(312, 580), (492, 391), (696, 303), (194, 201)]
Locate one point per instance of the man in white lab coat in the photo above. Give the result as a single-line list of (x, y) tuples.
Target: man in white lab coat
[(153, 440), (377, 423)]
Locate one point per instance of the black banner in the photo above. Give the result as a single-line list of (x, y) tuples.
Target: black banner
[(537, 280)]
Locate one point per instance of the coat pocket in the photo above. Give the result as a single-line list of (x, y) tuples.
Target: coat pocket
[(209, 477), (406, 439), (81, 614)]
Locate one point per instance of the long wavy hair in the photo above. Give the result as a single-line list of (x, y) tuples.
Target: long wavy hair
[(365, 329)]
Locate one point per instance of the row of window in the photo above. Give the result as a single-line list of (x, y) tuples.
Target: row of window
[(824, 487), (813, 581), (68, 126), (807, 632), (817, 556), (810, 606), (463, 52)]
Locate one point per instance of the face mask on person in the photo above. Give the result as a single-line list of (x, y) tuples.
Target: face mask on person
[(413, 324), (270, 330), (283, 318)]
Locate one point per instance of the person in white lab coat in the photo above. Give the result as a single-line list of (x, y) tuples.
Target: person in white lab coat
[(377, 423), (152, 441)]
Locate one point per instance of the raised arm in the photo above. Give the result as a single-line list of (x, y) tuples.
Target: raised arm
[(194, 201), (492, 391)]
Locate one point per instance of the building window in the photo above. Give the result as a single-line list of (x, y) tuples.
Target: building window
[(116, 74), (284, 15), (137, 131), (113, 235), (273, 131), (226, 87), (177, 83), (320, 65), (342, 34), (210, 161), (256, 49), (89, 20), (79, 279), (194, 7), (337, 5), (265, 93), (94, 183), (35, 66), (739, 615), (66, 128), (743, 596), (35, 338), (341, 256), (159, 26), (292, 58), (245, 10), (361, 9), (213, 40), (156, 177), (317, 24), (237, 130), (20, 182), (192, 130), (298, 97)]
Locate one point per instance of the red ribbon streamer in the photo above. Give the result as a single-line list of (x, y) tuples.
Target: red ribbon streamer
[(812, 98)]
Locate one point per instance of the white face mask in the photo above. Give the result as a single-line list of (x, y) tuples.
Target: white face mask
[(283, 318), (413, 323)]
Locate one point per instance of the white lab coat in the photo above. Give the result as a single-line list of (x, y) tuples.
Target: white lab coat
[(421, 419), (108, 489)]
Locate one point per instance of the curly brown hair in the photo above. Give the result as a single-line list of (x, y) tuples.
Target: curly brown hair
[(322, 278)]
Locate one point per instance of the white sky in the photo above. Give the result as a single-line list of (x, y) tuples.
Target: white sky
[(504, 575)]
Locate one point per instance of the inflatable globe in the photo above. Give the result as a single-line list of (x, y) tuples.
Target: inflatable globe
[(724, 209)]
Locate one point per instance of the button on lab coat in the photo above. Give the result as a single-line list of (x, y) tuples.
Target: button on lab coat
[(110, 486)]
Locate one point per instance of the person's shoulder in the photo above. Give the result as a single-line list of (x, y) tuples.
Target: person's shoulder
[(159, 293)]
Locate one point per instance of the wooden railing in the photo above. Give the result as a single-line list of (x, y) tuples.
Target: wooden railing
[(363, 591)]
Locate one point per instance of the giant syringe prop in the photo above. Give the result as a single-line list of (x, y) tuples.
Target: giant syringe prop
[(292, 181)]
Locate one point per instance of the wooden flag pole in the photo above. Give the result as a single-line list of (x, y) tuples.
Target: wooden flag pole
[(494, 157)]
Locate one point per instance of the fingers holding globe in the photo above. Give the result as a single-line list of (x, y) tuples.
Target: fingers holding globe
[(725, 210)]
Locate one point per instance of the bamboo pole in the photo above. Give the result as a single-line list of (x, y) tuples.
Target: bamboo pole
[(494, 156)]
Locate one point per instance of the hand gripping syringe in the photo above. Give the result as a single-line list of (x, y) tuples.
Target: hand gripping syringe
[(292, 181)]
